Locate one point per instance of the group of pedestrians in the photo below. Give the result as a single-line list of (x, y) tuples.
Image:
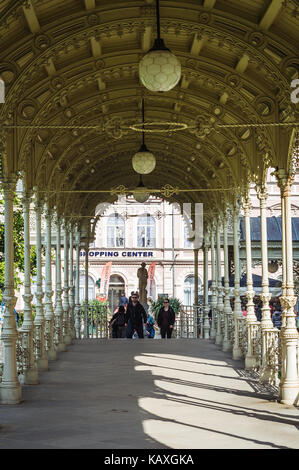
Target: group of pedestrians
[(274, 307), (130, 319)]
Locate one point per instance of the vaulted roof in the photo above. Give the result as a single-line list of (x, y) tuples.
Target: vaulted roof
[(75, 63)]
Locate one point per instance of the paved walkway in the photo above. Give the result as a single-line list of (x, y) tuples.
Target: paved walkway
[(156, 394)]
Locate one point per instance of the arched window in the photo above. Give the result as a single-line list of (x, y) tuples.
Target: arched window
[(91, 290), (115, 231), (116, 288), (189, 289), (146, 232)]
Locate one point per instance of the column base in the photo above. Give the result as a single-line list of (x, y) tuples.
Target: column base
[(251, 362), (266, 375), (289, 393), (67, 339), (42, 364), (31, 377), (219, 339), (10, 394), (61, 347), (237, 353), (206, 334), (213, 334), (52, 355), (226, 346)]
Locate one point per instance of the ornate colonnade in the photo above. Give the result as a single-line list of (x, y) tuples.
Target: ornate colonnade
[(261, 345), (69, 123), (58, 322), (28, 349)]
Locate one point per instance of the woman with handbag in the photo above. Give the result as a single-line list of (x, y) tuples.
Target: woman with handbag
[(166, 319)]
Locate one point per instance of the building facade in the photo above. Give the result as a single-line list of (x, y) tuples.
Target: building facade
[(129, 233)]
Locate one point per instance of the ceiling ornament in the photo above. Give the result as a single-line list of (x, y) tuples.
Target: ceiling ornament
[(158, 127), (159, 69), (116, 129), (144, 161), (120, 189), (168, 190)]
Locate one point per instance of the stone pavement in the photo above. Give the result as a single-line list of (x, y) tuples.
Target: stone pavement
[(148, 394)]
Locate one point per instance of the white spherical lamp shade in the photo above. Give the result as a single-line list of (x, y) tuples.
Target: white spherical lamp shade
[(159, 70), (144, 161), (141, 196)]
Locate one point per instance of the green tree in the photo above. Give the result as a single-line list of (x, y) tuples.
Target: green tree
[(18, 235), (174, 303)]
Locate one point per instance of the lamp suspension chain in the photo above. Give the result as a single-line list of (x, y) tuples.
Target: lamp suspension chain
[(158, 19)]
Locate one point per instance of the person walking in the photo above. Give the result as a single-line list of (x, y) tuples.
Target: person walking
[(129, 329), (117, 323), (130, 298), (123, 300), (276, 318), (112, 324), (150, 330), (134, 315), (166, 319)]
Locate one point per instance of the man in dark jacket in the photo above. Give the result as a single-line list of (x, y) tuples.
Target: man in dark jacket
[(166, 319), (134, 314)]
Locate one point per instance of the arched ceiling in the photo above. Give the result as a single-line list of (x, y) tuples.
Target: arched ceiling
[(75, 63)]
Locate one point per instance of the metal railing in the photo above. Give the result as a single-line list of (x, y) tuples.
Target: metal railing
[(188, 322), (94, 321)]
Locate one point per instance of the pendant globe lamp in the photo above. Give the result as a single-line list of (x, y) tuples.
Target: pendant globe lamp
[(143, 161), (140, 194), (159, 69)]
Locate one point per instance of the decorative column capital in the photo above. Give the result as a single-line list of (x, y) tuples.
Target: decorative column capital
[(219, 220), (38, 206), (26, 198), (284, 182), (66, 224), (288, 302), (9, 186), (265, 297), (27, 298), (57, 219), (48, 212), (250, 295), (262, 194), (247, 207), (9, 302)]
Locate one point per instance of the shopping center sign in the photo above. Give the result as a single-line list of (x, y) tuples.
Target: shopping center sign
[(118, 254)]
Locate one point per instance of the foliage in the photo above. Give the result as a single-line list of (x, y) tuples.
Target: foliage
[(99, 308), (21, 315), (174, 303), (18, 236)]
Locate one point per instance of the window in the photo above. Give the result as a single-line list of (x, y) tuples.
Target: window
[(91, 291), (116, 287), (115, 231), (189, 290), (146, 232)]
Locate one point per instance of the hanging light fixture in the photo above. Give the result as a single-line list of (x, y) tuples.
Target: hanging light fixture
[(140, 194), (159, 69), (143, 161)]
